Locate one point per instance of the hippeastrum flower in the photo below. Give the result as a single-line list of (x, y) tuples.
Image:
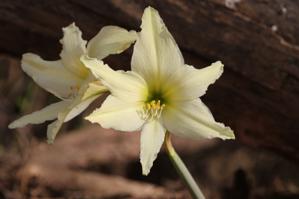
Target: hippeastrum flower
[(68, 78), (160, 93)]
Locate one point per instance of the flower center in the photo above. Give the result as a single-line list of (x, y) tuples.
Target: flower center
[(151, 110)]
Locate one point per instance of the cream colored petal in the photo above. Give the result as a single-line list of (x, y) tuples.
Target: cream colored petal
[(156, 54), (118, 115), (48, 113), (193, 119), (94, 88), (73, 47), (110, 40), (74, 109), (80, 107), (152, 138), (51, 75), (192, 83), (128, 86), (52, 130)]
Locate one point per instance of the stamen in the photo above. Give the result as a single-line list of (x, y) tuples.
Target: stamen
[(151, 110)]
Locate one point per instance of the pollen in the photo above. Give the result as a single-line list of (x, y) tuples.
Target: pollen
[(151, 110)]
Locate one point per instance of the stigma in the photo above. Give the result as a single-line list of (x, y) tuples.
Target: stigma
[(151, 110)]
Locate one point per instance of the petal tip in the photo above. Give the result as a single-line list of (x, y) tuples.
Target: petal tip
[(145, 171), (50, 141), (27, 58), (52, 131), (71, 26), (150, 9), (92, 119), (149, 12), (146, 166), (12, 125), (218, 68), (26, 55), (89, 118), (228, 134), (218, 64), (133, 34), (19, 123)]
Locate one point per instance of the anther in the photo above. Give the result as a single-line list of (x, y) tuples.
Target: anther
[(151, 110)]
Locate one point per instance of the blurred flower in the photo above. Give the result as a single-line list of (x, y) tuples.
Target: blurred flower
[(160, 93), (68, 78)]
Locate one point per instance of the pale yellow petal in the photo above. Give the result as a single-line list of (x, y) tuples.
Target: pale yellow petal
[(51, 75), (118, 115), (75, 108), (110, 40), (190, 83), (73, 47), (156, 54), (128, 86), (48, 113), (193, 119), (152, 138), (52, 130), (94, 88)]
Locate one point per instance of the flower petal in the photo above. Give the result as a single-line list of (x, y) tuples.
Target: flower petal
[(73, 46), (110, 40), (128, 86), (50, 75), (94, 88), (155, 54), (71, 111), (117, 114), (52, 130), (78, 108), (48, 113), (193, 119), (152, 138), (193, 83)]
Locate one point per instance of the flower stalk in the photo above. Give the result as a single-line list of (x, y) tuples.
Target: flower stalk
[(181, 169)]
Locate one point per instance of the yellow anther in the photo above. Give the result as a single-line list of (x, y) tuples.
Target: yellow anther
[(158, 103), (153, 103), (151, 110)]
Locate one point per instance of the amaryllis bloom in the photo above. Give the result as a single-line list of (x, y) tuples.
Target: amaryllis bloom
[(160, 93), (68, 78)]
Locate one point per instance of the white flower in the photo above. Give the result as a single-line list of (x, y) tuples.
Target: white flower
[(160, 93), (68, 78)]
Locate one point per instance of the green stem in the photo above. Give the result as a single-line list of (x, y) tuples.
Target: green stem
[(182, 169)]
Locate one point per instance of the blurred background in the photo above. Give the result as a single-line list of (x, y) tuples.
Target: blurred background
[(257, 96)]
